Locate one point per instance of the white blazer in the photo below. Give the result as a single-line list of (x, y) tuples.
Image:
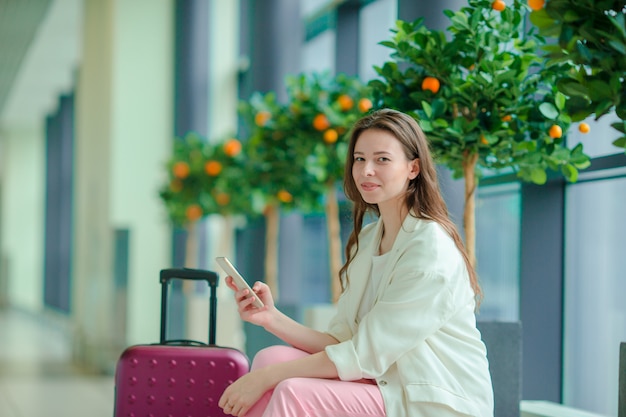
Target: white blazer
[(419, 340)]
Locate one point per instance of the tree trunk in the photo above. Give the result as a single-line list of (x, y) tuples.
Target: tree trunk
[(189, 286), (334, 240), (469, 211), (272, 225), (191, 245)]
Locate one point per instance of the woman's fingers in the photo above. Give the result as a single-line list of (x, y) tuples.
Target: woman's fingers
[(230, 283)]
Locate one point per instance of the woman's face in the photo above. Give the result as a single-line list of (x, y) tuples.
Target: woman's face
[(381, 170)]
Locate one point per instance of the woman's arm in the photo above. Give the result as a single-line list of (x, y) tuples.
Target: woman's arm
[(298, 335), (317, 365), (275, 322), (247, 390)]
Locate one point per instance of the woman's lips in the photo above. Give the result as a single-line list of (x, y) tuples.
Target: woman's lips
[(368, 186)]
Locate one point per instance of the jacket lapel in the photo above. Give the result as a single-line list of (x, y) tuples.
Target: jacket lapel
[(408, 226), (360, 271)]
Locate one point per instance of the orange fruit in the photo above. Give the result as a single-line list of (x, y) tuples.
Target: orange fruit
[(320, 122), (262, 117), (222, 199), (498, 5), (331, 136), (193, 212), (584, 127), (181, 170), (536, 4), (484, 140), (284, 196), (431, 83), (507, 118), (345, 102), (232, 147), (555, 131), (212, 168), (365, 104)]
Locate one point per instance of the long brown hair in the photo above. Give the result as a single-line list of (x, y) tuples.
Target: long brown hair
[(423, 196)]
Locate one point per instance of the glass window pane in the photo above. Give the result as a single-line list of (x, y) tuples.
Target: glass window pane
[(595, 288), (310, 7), (498, 249), (599, 140), (318, 54), (375, 21)]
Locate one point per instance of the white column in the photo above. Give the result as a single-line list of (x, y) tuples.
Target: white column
[(141, 143), (22, 202), (123, 137)]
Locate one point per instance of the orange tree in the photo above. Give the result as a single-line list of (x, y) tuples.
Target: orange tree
[(276, 170), (296, 154), (324, 108), (201, 180), (591, 45), (480, 97)]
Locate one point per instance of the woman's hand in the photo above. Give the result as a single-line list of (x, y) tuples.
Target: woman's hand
[(244, 393), (260, 316)]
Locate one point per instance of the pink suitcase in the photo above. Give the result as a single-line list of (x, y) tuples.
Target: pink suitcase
[(178, 378)]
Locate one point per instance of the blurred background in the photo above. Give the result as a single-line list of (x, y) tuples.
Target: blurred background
[(93, 94)]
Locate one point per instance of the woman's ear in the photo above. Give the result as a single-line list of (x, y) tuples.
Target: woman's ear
[(415, 169)]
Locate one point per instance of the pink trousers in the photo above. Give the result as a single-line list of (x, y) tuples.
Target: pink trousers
[(313, 397)]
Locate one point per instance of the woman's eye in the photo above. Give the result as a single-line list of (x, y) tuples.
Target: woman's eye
[(358, 158), (383, 159)]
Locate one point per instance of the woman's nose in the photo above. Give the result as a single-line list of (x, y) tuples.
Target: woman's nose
[(368, 169)]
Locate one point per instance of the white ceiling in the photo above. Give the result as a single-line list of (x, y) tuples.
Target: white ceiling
[(39, 46)]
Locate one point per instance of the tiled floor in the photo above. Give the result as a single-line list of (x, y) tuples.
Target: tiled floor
[(36, 377)]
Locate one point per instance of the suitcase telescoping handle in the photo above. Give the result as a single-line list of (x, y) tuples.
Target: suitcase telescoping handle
[(190, 274)]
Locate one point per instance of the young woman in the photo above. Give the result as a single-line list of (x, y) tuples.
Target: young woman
[(404, 340)]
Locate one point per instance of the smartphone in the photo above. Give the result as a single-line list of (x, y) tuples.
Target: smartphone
[(238, 279)]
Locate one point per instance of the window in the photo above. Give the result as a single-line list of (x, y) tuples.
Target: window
[(376, 20), (318, 53), (498, 249), (598, 142), (595, 288)]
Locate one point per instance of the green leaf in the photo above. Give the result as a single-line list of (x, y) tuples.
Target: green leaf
[(541, 19), (528, 146), (549, 111), (426, 125), (569, 172), (620, 126), (570, 16), (571, 87), (388, 44), (618, 46), (620, 142), (538, 176), (440, 124), (620, 110), (618, 22), (599, 89), (439, 107), (580, 163), (603, 108), (460, 21), (560, 100), (579, 108), (427, 109)]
